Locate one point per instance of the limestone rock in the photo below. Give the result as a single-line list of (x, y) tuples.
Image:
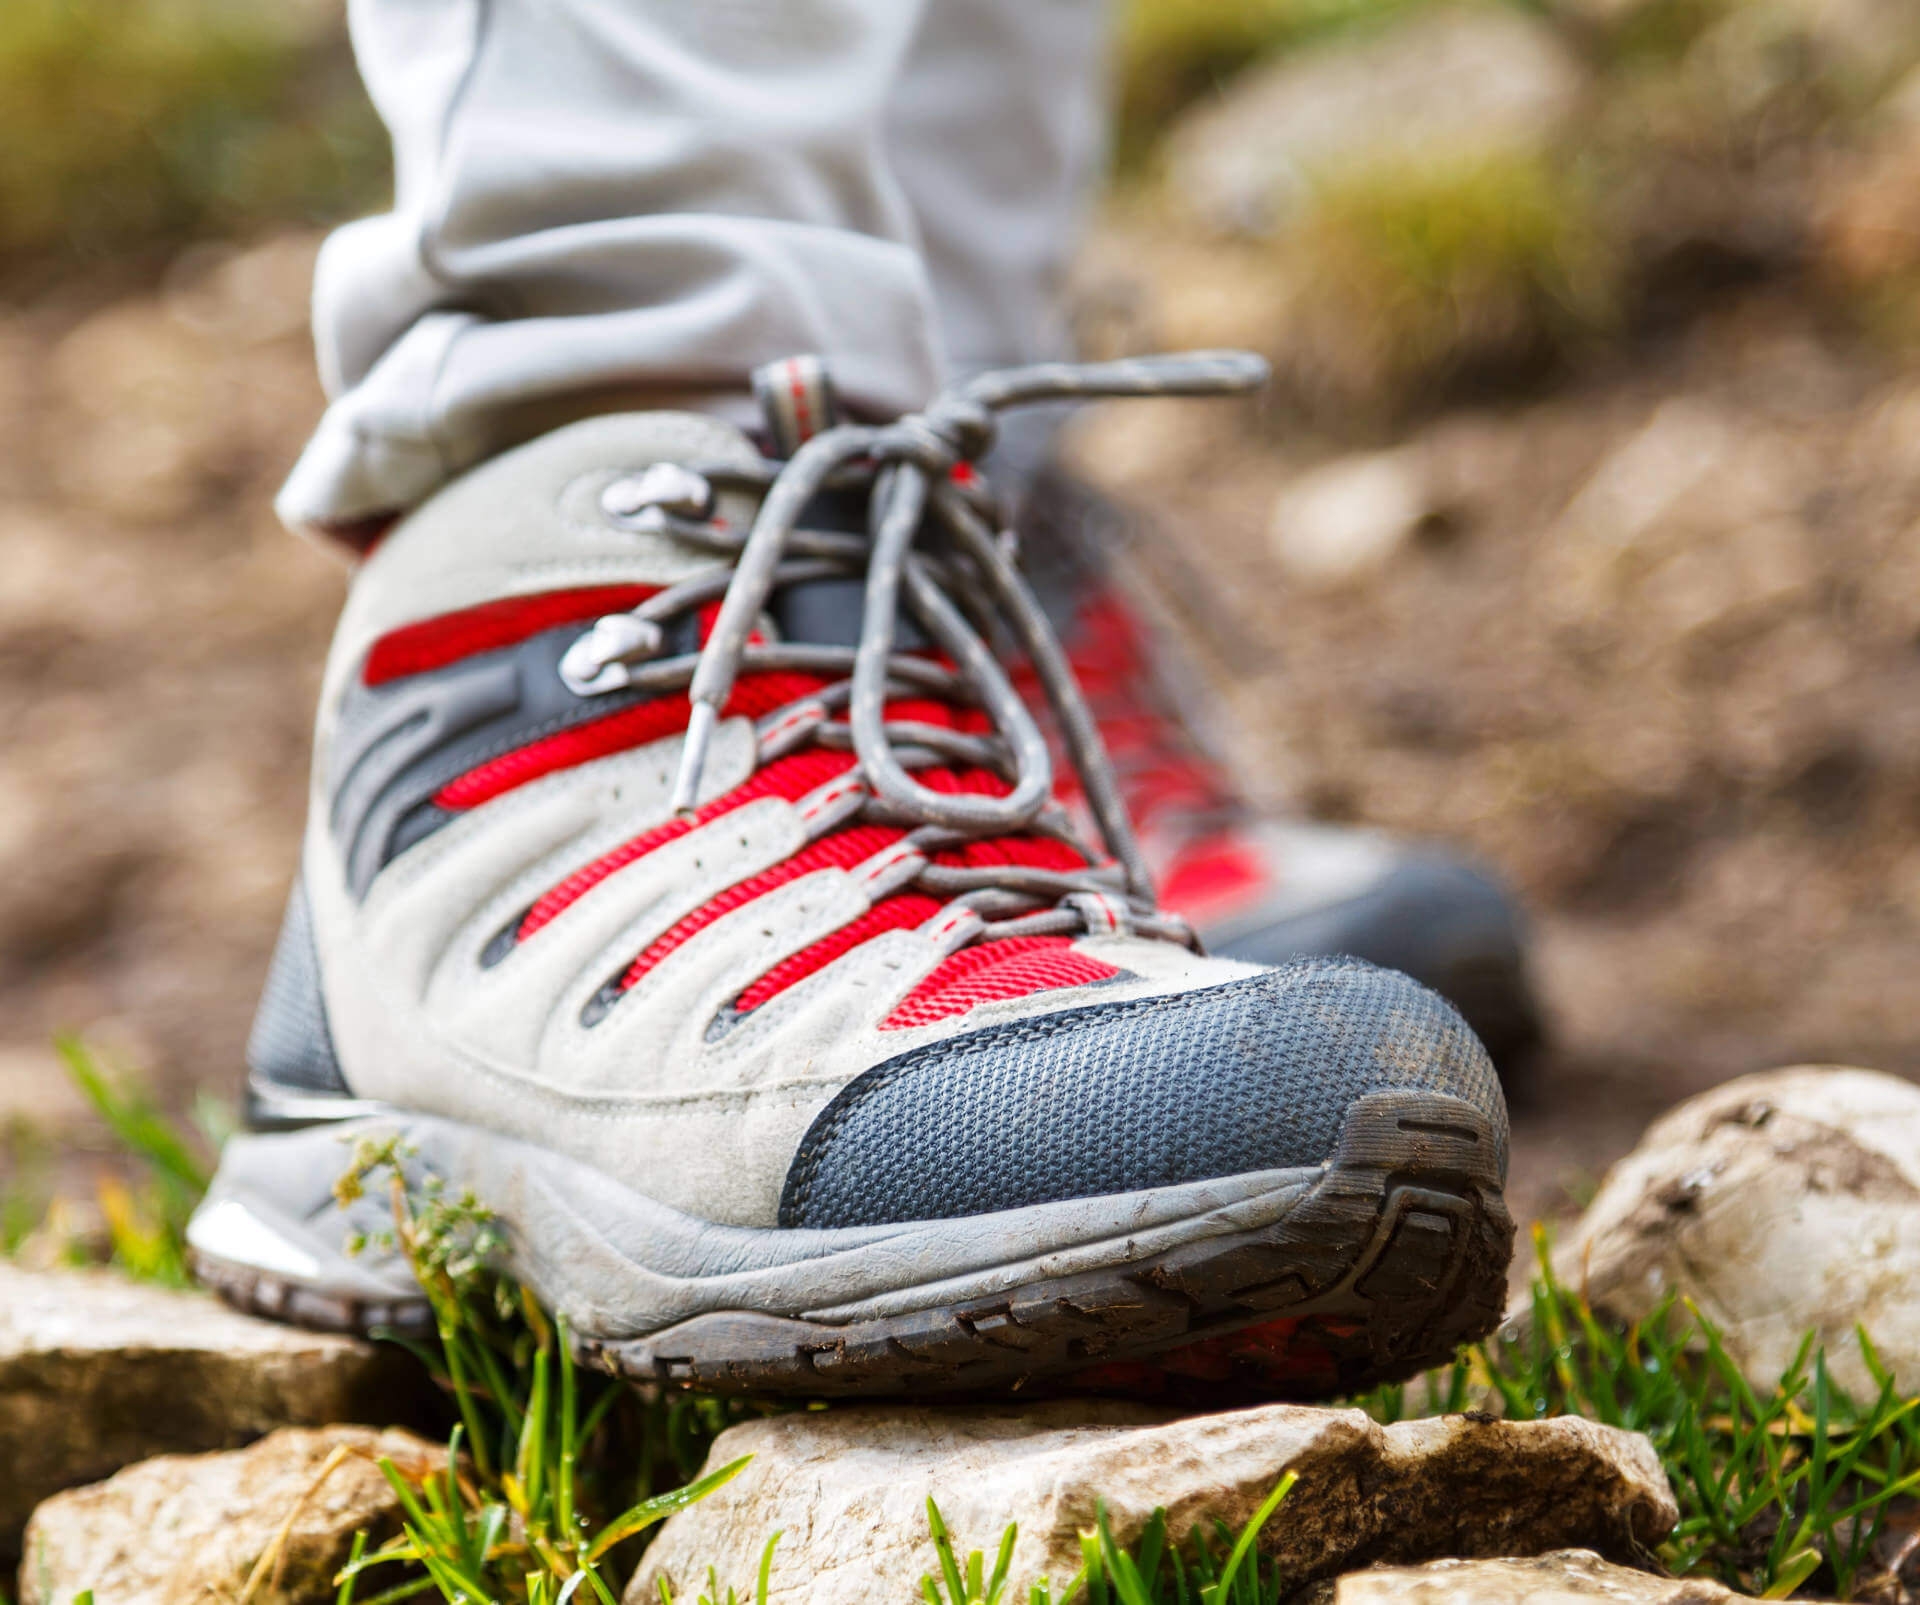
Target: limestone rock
[(1566, 1577), (1781, 1203), (184, 1529), (97, 1372), (1344, 519), (848, 1490), (1465, 80)]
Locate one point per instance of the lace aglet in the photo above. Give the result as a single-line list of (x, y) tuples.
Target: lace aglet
[(693, 757)]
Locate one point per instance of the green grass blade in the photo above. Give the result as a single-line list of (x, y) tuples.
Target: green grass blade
[(400, 1591), (643, 1515), (142, 1129), (1221, 1591), (1794, 1571), (1002, 1564), (943, 1552), (1132, 1588), (765, 1580), (343, 1595)]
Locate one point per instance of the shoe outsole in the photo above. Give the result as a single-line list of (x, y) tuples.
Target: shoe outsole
[(1395, 1256)]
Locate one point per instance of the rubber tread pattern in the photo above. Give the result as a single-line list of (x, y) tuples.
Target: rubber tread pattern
[(1251, 1075)]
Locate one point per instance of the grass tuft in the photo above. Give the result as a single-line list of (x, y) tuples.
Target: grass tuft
[(1425, 272), (1780, 1489), (136, 1219), (554, 1474), (1221, 1569)]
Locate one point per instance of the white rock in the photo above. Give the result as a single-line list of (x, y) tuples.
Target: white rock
[(97, 1372), (1462, 80), (187, 1529), (848, 1491), (1782, 1203), (1344, 519), (1567, 1577)]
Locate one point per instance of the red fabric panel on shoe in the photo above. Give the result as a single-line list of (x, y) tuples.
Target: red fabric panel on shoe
[(841, 849), (901, 912), (630, 727), (1014, 968), (1212, 878), (753, 695), (790, 777), (1159, 768), (434, 643)]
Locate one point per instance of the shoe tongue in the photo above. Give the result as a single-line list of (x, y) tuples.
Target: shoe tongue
[(829, 613)]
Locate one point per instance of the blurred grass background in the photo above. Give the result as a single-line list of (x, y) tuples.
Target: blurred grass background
[(128, 126)]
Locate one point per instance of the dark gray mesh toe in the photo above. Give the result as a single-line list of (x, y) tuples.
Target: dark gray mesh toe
[(1252, 1075)]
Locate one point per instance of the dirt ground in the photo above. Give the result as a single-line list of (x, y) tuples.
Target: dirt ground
[(1653, 650)]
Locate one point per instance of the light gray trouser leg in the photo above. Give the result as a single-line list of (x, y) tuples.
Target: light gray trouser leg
[(607, 203)]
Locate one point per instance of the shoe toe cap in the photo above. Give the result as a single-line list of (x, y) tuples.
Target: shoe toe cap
[(1255, 1074)]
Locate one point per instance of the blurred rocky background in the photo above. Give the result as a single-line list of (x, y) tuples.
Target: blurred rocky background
[(1582, 524)]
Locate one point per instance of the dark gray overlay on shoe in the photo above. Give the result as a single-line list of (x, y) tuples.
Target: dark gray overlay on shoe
[(291, 1044), (1252, 1075), (396, 745)]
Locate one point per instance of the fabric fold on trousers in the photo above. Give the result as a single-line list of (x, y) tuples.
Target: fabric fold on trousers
[(607, 204)]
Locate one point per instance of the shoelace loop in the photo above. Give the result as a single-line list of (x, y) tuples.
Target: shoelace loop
[(908, 466)]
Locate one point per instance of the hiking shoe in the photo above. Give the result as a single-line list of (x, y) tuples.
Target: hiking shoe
[(684, 881), (1255, 886)]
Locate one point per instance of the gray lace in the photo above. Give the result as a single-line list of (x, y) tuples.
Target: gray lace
[(970, 589)]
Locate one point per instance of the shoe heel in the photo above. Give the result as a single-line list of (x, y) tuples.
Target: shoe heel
[(271, 1239)]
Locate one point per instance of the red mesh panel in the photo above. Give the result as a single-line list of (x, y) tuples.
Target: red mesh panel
[(790, 777), (963, 782), (753, 695), (840, 850), (1030, 852), (899, 913), (1013, 968), (434, 643)]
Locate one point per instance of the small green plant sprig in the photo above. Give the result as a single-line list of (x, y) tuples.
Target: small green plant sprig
[(529, 1506), (1151, 1571)]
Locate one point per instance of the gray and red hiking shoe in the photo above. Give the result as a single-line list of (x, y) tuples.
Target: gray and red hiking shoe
[(1255, 885), (685, 880)]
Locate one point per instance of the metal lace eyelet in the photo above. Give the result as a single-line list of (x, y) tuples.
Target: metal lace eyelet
[(647, 500)]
